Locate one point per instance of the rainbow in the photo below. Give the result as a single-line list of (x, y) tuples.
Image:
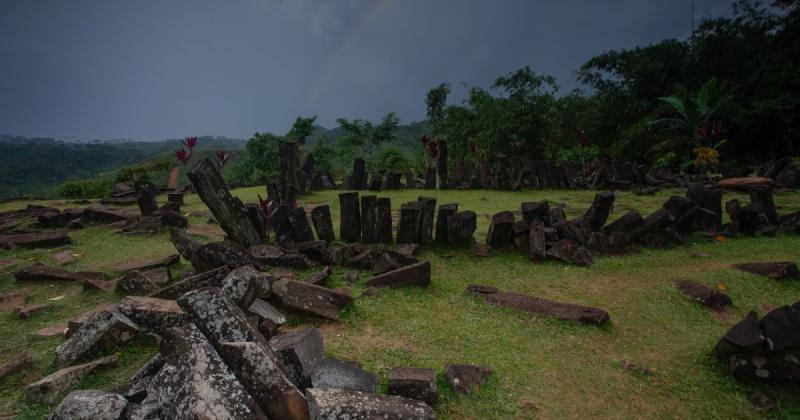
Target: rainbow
[(336, 55)]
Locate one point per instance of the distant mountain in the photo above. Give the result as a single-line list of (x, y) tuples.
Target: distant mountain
[(37, 166)]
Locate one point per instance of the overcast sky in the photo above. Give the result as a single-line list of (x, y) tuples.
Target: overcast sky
[(155, 69)]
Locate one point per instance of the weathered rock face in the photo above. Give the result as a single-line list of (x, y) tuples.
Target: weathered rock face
[(194, 383), (310, 299), (560, 310), (323, 224), (369, 219), (45, 273), (219, 318), (320, 278), (262, 375), (425, 234), (314, 250), (466, 378), (90, 405), (153, 313), (500, 230), (703, 294), (415, 383), (418, 274), (385, 235), (536, 210), (300, 351), (271, 318), (356, 405), (301, 229), (775, 270), (136, 283), (244, 284), (567, 250), (766, 349), (104, 330), (334, 373), (212, 278), (48, 389), (135, 391)]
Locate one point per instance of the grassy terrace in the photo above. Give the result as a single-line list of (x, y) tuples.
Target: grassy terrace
[(543, 368)]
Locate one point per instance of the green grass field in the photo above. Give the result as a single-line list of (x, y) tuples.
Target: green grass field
[(543, 368)]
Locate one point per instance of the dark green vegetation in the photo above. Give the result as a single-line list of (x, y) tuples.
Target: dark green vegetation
[(543, 368)]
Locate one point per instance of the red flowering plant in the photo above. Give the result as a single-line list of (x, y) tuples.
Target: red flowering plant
[(183, 155), (266, 210), (222, 158)]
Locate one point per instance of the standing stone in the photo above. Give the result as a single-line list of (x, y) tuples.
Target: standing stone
[(358, 177), (430, 178), (409, 224), (486, 174), (321, 217), (411, 181), (289, 160), (461, 227), (598, 213), (521, 232), (626, 224), (146, 197), (369, 219), (557, 215), (377, 183), (761, 200), (445, 212), (500, 230), (502, 182), (301, 229), (441, 165), (385, 220), (426, 225), (350, 228), (536, 241), (536, 210), (280, 221), (227, 210)]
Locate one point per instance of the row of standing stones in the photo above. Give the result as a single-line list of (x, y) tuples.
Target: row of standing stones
[(220, 333)]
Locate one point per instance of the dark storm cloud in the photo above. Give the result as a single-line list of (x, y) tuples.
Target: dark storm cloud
[(148, 70)]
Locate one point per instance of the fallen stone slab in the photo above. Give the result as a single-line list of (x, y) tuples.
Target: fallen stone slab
[(779, 270), (415, 383), (209, 278), (383, 263), (267, 254), (705, 295), (46, 273), (77, 322), (314, 250), (244, 284), (90, 404), (144, 265), (466, 379), (310, 299), (225, 253), (48, 389), (744, 184), (102, 214), (418, 274), (153, 313), (627, 223), (35, 240), (262, 375), (560, 310), (160, 276), (136, 389), (136, 283), (16, 364), (300, 351), (569, 251), (11, 300), (334, 373), (193, 383), (29, 310), (347, 404), (104, 330)]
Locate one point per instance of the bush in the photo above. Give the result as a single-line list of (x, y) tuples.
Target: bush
[(391, 159), (94, 188), (579, 155)]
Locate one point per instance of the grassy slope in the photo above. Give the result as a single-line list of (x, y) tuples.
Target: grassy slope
[(543, 368)]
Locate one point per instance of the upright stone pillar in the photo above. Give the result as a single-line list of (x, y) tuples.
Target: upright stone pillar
[(350, 227), (146, 196), (289, 159), (369, 219), (359, 175), (321, 218), (385, 220), (426, 227), (408, 226), (445, 212)]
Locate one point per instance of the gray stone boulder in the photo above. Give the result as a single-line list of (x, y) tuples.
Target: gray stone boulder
[(194, 383), (418, 274), (135, 390), (136, 283), (48, 389), (211, 278), (271, 319), (244, 284), (219, 318), (90, 404), (334, 373), (466, 378), (416, 383), (104, 330), (332, 403)]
